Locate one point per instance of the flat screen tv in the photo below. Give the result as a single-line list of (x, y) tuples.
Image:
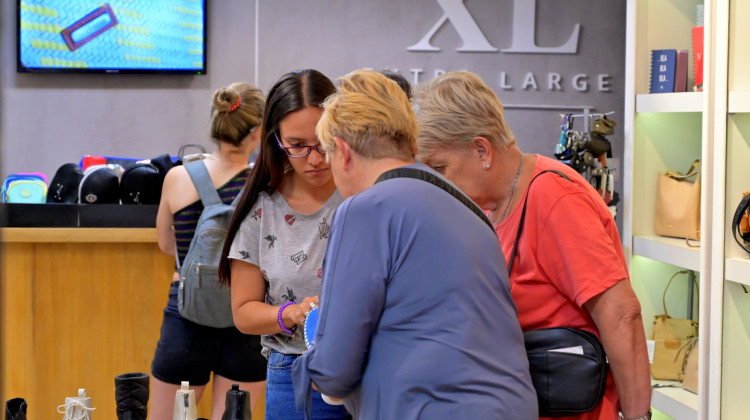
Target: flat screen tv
[(114, 36)]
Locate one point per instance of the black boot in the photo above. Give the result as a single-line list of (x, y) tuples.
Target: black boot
[(15, 409), (237, 405), (131, 394)]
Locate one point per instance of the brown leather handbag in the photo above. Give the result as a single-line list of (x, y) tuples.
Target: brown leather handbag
[(678, 203), (669, 335)]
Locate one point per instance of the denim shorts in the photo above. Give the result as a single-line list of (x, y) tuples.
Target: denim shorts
[(280, 394), (190, 352)]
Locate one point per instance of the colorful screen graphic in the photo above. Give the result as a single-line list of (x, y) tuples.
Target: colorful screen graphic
[(114, 36)]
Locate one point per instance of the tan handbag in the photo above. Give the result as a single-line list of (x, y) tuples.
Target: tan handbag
[(690, 367), (669, 335), (678, 203)]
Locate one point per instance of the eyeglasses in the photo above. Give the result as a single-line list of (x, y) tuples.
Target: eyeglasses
[(299, 151)]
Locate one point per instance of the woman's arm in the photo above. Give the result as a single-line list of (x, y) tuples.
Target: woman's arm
[(164, 217), (251, 314), (617, 314)]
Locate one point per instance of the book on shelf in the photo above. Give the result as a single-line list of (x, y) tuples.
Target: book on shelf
[(697, 33), (681, 71), (663, 67)]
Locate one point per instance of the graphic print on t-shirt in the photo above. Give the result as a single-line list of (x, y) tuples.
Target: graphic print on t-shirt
[(245, 255), (324, 228), (290, 218), (289, 296), (299, 257), (271, 240), (256, 214)]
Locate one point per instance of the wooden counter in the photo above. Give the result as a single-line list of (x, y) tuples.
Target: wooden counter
[(79, 306)]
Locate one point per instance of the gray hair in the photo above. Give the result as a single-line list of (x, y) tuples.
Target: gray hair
[(456, 107)]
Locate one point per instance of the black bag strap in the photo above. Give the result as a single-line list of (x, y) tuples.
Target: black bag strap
[(736, 230), (523, 215), (438, 182)]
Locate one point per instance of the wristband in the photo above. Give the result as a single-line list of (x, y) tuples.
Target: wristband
[(281, 323)]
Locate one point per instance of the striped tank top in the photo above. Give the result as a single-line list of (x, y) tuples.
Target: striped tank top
[(186, 219)]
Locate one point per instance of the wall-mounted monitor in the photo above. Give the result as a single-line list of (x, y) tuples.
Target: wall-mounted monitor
[(114, 36)]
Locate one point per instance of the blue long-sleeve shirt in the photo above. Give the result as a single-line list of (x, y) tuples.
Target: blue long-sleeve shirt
[(416, 315)]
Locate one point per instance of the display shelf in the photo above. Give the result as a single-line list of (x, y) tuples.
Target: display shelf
[(739, 101), (737, 269), (736, 344), (670, 102), (667, 250), (674, 401)]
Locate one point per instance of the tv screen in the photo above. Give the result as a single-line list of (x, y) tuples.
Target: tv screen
[(115, 36)]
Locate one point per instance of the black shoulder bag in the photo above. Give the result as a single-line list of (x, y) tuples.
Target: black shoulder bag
[(740, 235), (568, 366)]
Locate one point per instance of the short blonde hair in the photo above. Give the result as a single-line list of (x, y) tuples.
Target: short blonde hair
[(456, 107), (372, 114)]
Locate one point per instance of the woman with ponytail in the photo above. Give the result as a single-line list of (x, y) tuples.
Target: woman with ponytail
[(188, 351)]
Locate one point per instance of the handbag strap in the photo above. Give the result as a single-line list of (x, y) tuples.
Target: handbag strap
[(694, 170), (691, 275), (523, 215), (440, 183), (736, 229)]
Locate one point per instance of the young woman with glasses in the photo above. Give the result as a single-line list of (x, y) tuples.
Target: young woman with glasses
[(273, 255)]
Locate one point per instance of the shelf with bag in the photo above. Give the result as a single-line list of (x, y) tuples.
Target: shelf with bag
[(674, 347), (737, 260), (664, 132), (661, 286), (663, 142)]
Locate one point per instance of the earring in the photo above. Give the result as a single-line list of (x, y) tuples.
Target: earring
[(487, 166)]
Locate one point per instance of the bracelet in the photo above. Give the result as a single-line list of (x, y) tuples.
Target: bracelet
[(281, 323), (646, 417)]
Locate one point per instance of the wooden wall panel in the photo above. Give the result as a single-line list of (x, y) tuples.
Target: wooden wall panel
[(77, 314)]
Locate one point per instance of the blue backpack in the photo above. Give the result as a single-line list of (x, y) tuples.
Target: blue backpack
[(200, 297), (25, 188)]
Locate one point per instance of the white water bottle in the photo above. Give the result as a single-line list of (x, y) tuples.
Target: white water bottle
[(184, 403)]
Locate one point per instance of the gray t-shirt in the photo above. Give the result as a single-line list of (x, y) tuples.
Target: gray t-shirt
[(288, 247)]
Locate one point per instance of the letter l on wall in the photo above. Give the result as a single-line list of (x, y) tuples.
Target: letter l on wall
[(524, 27)]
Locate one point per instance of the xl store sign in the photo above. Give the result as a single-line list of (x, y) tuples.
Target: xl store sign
[(457, 15)]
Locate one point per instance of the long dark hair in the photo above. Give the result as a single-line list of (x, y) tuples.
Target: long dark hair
[(294, 91)]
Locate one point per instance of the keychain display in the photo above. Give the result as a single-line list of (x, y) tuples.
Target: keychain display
[(587, 151)]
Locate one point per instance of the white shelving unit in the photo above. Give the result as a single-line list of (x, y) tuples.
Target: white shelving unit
[(666, 131), (667, 250), (737, 269), (675, 401), (733, 303), (670, 102), (739, 101)]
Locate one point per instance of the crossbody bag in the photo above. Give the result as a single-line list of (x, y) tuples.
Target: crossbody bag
[(568, 365)]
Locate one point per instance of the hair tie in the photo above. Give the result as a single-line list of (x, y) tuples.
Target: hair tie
[(237, 105)]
